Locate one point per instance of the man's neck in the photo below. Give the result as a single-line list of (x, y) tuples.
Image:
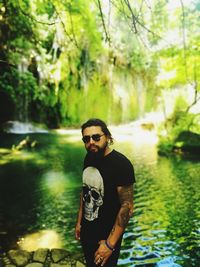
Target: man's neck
[(107, 151)]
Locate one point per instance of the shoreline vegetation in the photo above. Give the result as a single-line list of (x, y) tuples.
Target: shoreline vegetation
[(185, 144), (65, 61)]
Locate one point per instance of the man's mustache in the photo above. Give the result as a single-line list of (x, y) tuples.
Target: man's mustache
[(93, 146)]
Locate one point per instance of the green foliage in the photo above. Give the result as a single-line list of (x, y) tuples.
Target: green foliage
[(180, 62), (179, 122), (43, 7), (159, 21), (18, 84), (59, 69)]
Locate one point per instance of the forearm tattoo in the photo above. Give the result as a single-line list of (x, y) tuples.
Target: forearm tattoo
[(126, 200)]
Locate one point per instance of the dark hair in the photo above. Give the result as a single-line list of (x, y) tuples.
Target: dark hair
[(98, 122)]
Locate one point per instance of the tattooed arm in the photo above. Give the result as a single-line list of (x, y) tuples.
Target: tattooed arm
[(125, 194), (126, 199)]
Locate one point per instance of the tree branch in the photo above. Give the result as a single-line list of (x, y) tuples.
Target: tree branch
[(103, 22), (7, 63), (63, 24), (134, 18), (196, 97)]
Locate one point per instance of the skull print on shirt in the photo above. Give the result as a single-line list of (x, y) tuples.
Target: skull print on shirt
[(93, 193)]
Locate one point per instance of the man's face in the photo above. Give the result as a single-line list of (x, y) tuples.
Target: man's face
[(98, 143)]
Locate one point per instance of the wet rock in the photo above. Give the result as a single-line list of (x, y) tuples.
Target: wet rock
[(19, 257), (5, 261), (40, 255), (34, 264), (60, 265), (79, 264), (58, 254)]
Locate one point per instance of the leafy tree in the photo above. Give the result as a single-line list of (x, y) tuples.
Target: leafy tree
[(63, 61)]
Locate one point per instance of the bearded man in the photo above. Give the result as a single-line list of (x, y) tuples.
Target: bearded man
[(106, 202)]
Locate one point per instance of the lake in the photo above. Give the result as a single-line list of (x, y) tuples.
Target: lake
[(40, 187)]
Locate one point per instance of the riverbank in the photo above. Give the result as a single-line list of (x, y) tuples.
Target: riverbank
[(42, 257), (186, 144)]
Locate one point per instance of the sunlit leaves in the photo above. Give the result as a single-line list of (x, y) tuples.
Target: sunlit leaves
[(73, 50)]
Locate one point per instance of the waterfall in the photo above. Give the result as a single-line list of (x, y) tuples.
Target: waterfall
[(19, 127), (22, 102), (127, 90)]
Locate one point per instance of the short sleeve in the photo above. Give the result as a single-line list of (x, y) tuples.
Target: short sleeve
[(125, 172)]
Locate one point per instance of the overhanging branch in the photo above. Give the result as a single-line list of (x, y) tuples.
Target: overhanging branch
[(103, 22)]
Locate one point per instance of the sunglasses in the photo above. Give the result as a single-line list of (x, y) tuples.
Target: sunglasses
[(95, 137)]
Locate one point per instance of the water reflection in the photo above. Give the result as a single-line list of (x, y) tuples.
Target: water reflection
[(166, 208), (55, 182), (42, 239), (39, 198)]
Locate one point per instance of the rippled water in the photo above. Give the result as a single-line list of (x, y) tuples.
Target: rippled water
[(39, 198)]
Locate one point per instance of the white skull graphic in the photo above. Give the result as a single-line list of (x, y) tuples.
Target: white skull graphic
[(93, 192)]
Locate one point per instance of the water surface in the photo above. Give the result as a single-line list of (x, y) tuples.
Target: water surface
[(39, 199)]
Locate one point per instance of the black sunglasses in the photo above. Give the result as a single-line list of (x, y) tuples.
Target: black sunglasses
[(95, 137)]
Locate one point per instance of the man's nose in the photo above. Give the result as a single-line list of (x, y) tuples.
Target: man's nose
[(91, 141)]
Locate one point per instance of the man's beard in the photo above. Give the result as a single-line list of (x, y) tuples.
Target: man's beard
[(97, 156)]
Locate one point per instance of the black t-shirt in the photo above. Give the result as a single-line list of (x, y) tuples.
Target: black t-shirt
[(100, 198)]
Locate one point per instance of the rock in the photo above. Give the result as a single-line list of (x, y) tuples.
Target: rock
[(79, 264), (147, 126), (40, 255), (188, 142), (19, 257), (58, 254), (34, 264), (6, 261), (60, 265)]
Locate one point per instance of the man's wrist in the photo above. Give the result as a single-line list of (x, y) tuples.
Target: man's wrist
[(78, 224), (109, 246)]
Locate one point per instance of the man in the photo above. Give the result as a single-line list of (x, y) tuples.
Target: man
[(106, 202)]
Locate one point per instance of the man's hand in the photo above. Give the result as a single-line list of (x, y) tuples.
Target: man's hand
[(102, 254), (77, 231)]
